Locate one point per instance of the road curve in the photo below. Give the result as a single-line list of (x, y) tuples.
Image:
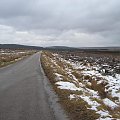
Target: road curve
[(22, 93)]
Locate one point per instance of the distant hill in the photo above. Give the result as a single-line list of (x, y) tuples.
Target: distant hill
[(100, 49), (117, 47), (61, 48), (84, 48), (16, 46)]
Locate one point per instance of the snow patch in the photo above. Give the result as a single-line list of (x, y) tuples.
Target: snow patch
[(109, 103), (92, 103), (58, 76), (66, 85)]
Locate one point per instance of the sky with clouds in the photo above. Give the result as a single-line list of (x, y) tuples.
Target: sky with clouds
[(77, 23)]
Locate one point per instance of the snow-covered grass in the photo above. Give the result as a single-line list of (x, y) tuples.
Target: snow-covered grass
[(90, 79), (66, 85), (110, 103), (58, 76)]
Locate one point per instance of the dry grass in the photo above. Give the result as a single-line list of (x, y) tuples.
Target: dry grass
[(76, 109), (11, 56)]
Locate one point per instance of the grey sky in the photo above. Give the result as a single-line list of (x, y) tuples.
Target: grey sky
[(64, 22)]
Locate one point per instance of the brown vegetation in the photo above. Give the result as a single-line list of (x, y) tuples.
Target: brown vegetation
[(10, 56), (76, 109)]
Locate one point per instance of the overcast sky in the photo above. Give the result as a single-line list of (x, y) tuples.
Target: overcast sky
[(77, 23)]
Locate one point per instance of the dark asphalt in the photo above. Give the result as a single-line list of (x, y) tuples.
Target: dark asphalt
[(22, 93)]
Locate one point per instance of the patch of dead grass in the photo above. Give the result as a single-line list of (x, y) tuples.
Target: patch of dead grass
[(76, 108)]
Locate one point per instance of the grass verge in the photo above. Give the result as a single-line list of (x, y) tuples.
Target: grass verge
[(77, 109)]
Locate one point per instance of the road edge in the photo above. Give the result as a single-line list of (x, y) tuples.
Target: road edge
[(53, 98)]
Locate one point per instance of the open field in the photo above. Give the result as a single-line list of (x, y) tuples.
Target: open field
[(87, 83), (8, 56)]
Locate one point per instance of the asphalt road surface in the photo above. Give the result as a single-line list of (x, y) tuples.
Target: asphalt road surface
[(22, 93)]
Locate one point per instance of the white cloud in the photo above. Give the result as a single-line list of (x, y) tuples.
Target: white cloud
[(64, 22), (70, 38)]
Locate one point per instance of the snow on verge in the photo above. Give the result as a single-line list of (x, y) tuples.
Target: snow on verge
[(58, 76), (66, 85), (109, 103)]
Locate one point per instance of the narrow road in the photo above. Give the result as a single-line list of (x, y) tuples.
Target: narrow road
[(22, 93)]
